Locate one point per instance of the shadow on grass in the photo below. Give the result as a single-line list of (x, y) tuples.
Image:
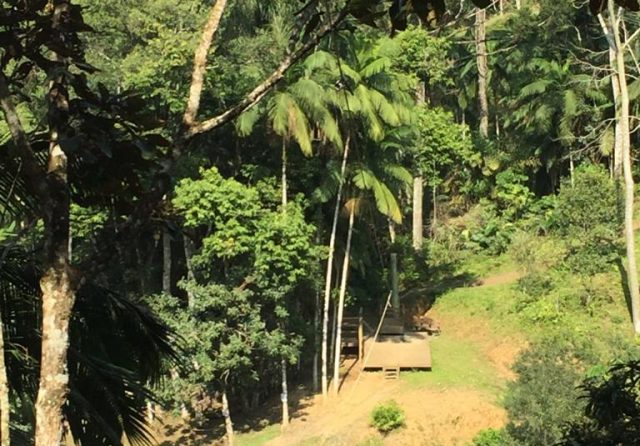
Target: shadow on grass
[(210, 431), (437, 281), (625, 285)]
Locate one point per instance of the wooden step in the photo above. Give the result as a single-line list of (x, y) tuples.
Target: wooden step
[(391, 372)]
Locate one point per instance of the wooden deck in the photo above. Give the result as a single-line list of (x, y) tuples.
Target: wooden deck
[(408, 351)]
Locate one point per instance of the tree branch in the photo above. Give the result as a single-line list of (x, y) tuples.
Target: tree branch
[(261, 90), (200, 63), (34, 172)]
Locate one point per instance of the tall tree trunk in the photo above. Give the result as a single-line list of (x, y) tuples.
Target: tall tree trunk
[(57, 283), (434, 218), (332, 341), (188, 254), (571, 167), (418, 198), (615, 89), (166, 261), (623, 118), (316, 344), (343, 292), (5, 408), (285, 395), (327, 285), (284, 173), (228, 424), (481, 60)]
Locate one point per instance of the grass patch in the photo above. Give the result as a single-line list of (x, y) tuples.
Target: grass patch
[(456, 364), (485, 265), (258, 438)]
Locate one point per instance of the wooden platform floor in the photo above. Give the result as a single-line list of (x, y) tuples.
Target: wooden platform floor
[(408, 351)]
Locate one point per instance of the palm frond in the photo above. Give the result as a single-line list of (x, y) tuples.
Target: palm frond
[(117, 349)]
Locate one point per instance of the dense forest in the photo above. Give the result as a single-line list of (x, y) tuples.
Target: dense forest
[(195, 196)]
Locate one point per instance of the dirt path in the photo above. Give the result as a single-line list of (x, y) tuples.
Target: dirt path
[(434, 417), (500, 279)]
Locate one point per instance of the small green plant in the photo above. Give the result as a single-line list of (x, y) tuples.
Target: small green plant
[(387, 417), (491, 437)]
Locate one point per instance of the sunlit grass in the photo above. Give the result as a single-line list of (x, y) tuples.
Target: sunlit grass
[(456, 364)]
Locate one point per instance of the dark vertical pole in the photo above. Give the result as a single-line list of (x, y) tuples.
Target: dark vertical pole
[(395, 298)]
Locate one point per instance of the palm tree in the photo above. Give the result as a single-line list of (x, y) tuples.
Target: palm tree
[(370, 98), (118, 350)]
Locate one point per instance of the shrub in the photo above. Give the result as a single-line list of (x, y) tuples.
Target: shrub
[(545, 396), (584, 218), (492, 437), (613, 409), (387, 417)]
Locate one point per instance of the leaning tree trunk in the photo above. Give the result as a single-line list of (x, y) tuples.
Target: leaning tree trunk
[(623, 118), (228, 424), (418, 198), (617, 145), (5, 408), (327, 285), (343, 292), (57, 283), (481, 59)]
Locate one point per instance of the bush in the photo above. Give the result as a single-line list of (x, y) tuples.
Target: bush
[(387, 417), (613, 409), (545, 396), (492, 437), (584, 218)]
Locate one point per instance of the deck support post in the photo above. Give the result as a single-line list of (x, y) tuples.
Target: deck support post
[(395, 297)]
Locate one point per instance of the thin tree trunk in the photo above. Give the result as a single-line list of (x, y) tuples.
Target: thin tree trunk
[(481, 59), (623, 117), (166, 261), (434, 219), (5, 408), (615, 89), (228, 424), (285, 396), (284, 173), (327, 285), (316, 327), (343, 292), (200, 62), (332, 341), (188, 253), (418, 197), (571, 168), (392, 230)]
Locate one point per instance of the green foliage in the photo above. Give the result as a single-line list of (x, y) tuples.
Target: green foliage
[(613, 409), (223, 336), (492, 437), (511, 194), (536, 256), (545, 396), (387, 417), (585, 217), (442, 146), (416, 52), (491, 232)]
